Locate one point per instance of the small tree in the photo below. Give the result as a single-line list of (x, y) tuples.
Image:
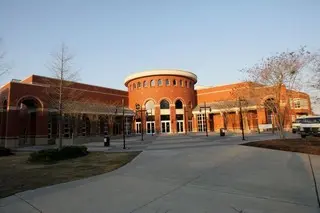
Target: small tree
[(60, 94), (272, 77)]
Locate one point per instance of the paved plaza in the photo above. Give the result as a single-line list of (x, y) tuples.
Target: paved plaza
[(185, 173)]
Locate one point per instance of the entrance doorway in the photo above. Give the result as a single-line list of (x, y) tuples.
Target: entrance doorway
[(180, 125), (190, 126), (150, 127), (138, 127), (165, 126)]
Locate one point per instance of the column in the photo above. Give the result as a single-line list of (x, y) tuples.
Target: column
[(173, 120)]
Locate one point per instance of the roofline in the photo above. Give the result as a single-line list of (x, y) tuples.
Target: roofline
[(174, 72)]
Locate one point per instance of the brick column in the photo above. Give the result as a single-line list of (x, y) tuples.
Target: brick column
[(173, 121), (157, 119)]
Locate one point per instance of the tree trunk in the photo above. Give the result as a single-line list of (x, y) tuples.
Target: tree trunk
[(60, 129)]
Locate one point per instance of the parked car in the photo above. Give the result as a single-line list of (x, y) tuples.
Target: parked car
[(310, 126), (296, 125)]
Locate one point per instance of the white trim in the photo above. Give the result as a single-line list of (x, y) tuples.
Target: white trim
[(235, 109), (164, 111), (205, 93), (161, 72)]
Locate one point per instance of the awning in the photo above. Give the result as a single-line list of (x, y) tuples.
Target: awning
[(229, 105), (97, 108)]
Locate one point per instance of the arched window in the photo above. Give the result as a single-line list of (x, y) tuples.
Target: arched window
[(149, 105), (270, 108), (174, 82), (130, 87), (186, 84), (145, 84), (134, 85), (139, 84), (167, 82), (179, 104), (190, 84), (152, 84), (164, 104), (181, 83), (159, 82)]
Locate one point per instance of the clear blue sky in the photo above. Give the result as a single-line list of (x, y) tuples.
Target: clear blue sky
[(113, 38)]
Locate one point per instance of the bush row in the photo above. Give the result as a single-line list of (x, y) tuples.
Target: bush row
[(5, 151), (51, 155)]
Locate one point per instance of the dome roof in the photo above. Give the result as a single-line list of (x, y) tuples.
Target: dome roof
[(161, 72)]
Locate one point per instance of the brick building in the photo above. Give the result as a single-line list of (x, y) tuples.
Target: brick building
[(157, 101)]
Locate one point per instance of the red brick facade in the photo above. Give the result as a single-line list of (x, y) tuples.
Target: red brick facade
[(169, 98)]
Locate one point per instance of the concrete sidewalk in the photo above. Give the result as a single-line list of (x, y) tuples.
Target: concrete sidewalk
[(217, 178)]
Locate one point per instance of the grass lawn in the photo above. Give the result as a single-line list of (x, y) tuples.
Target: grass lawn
[(18, 175), (310, 145)]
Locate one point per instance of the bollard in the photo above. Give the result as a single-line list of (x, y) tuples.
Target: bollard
[(106, 140)]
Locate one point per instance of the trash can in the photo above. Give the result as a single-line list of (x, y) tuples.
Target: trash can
[(106, 140), (222, 132)]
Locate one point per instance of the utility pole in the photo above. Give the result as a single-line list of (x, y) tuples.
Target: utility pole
[(241, 119), (205, 116), (123, 126)]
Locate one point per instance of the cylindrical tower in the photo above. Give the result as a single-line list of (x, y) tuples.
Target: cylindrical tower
[(166, 98)]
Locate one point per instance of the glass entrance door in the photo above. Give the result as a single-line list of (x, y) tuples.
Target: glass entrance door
[(138, 127), (150, 127), (165, 126), (180, 126)]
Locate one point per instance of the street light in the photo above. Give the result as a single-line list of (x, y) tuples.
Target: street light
[(205, 114), (241, 118), (123, 126), (138, 108)]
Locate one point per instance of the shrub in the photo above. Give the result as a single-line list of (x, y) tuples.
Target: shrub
[(5, 151), (52, 155)]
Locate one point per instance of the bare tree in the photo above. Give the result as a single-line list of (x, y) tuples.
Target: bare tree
[(61, 96), (4, 68), (315, 76), (274, 76)]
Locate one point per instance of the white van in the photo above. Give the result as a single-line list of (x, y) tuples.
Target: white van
[(296, 124), (310, 126)]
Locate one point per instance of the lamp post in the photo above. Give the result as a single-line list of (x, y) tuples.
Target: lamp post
[(151, 124), (241, 118), (139, 109), (186, 118), (123, 126), (205, 114)]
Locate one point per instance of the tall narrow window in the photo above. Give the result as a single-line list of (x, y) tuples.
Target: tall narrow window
[(134, 85), (152, 84), (145, 84), (139, 84), (174, 83), (181, 83), (167, 82), (186, 84), (159, 82)]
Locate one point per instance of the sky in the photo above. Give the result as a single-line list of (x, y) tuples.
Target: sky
[(111, 39)]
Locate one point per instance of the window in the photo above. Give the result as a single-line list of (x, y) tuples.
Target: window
[(167, 82), (130, 87), (164, 104), (190, 84), (201, 123), (159, 82), (152, 84), (134, 85), (145, 84), (181, 83), (139, 84), (179, 104), (186, 83), (174, 83)]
